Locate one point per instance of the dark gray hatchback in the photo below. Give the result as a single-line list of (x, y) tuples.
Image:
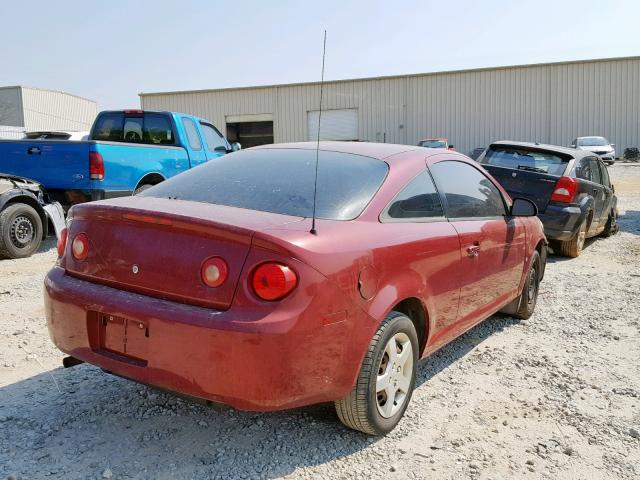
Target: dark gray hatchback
[(571, 188)]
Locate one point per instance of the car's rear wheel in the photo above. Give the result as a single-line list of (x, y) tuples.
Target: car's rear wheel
[(529, 294), (611, 228), (573, 247), (20, 231), (386, 379)]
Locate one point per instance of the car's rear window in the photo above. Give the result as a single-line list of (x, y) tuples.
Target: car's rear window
[(147, 128), (281, 181), (525, 159)]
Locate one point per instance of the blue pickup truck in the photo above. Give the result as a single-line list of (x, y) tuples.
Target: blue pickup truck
[(127, 152)]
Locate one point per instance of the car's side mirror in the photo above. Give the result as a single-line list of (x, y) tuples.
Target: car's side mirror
[(573, 145), (235, 146), (522, 207)]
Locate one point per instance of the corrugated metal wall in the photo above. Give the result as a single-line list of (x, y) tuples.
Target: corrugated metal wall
[(550, 103), (51, 110)]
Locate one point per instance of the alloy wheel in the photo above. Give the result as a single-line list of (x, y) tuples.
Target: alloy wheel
[(394, 375)]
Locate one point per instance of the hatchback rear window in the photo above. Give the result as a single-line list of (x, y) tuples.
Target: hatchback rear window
[(148, 128), (525, 159), (281, 181)]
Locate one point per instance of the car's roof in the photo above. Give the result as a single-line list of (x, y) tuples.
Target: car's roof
[(444, 139), (591, 136), (550, 148), (378, 151)]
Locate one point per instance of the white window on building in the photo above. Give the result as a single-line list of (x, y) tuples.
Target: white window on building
[(336, 124)]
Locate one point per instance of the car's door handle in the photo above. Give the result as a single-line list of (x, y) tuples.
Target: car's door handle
[(33, 151), (473, 250)]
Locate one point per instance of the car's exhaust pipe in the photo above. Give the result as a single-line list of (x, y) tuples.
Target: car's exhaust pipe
[(68, 362)]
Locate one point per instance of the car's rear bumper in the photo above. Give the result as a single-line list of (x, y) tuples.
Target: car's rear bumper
[(269, 364), (560, 222)]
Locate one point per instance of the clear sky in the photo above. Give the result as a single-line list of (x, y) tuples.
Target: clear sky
[(112, 50)]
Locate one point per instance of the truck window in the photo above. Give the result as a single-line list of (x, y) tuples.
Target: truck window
[(192, 133), (212, 137), (148, 128)]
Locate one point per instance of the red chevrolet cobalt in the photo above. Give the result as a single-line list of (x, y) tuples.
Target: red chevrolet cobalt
[(213, 284)]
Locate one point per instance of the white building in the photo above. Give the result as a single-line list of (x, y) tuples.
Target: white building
[(33, 109), (550, 103)]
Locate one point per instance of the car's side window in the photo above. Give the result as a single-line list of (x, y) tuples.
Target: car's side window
[(417, 201), (192, 133), (595, 171), (212, 137), (467, 191), (583, 170)]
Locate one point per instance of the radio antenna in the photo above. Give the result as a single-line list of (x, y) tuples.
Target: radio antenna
[(315, 180)]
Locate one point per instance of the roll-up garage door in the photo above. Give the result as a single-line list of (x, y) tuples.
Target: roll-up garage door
[(336, 124)]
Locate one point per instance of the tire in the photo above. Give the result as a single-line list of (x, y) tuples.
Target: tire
[(573, 248), (142, 188), (611, 228), (529, 295), (368, 410), (20, 231)]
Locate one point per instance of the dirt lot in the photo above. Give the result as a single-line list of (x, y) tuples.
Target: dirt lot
[(557, 396)]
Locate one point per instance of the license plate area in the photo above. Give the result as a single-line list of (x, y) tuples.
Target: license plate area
[(124, 337)]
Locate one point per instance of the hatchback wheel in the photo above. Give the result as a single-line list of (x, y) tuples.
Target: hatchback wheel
[(573, 248), (386, 379), (611, 228), (20, 231)]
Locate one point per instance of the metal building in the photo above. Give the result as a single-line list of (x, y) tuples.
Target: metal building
[(550, 103), (39, 109)]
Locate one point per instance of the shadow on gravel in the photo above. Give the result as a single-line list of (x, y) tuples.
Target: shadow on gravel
[(48, 243), (98, 421), (630, 222), (454, 351)]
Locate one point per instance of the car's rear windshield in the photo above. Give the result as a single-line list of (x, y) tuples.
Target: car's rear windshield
[(593, 142), (524, 159), (281, 181), (433, 144), (147, 128)]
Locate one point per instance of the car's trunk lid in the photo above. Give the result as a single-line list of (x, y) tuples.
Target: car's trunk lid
[(156, 246), (534, 186)]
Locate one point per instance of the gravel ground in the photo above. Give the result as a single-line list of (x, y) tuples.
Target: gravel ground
[(556, 396)]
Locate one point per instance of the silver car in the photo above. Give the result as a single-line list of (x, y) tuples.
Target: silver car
[(597, 145)]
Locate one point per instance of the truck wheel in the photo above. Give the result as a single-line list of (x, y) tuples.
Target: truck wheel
[(386, 379), (573, 248), (611, 228), (20, 231)]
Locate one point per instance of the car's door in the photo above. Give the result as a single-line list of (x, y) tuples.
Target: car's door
[(492, 243), (197, 154), (607, 203), (427, 248), (590, 171), (598, 193), (215, 143)]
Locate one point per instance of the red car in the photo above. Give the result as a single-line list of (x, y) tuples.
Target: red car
[(213, 285)]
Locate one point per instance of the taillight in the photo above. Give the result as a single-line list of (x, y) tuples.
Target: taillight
[(565, 190), (62, 242), (80, 246), (96, 166), (214, 272), (273, 281)]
